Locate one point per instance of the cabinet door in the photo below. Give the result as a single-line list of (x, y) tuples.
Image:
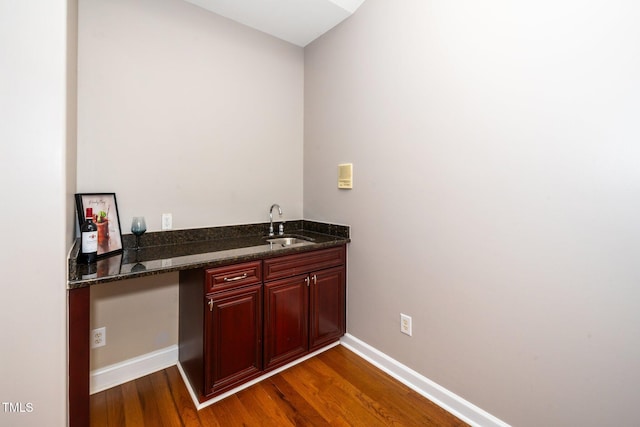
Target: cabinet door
[(327, 307), (233, 337), (286, 320)]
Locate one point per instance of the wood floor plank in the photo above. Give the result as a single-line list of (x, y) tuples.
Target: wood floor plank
[(335, 388), (261, 404), (132, 408), (322, 392), (297, 408), (410, 403), (98, 410), (208, 418), (181, 398), (115, 406), (230, 412), (166, 406), (386, 415), (373, 381), (148, 400)]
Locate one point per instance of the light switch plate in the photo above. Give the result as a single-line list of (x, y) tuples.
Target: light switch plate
[(345, 176)]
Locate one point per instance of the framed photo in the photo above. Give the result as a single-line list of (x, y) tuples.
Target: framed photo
[(105, 215)]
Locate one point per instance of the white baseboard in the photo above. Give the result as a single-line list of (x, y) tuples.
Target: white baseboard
[(439, 395), (224, 395), (131, 369)]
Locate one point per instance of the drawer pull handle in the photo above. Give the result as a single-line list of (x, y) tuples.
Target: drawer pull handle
[(210, 305), (233, 279), (306, 280), (315, 279)]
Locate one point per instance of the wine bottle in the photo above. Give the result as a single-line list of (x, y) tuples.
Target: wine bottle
[(89, 239)]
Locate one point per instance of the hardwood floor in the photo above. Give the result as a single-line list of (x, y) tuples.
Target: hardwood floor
[(336, 388)]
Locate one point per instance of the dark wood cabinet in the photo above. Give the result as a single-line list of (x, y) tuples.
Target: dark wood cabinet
[(240, 320), (233, 338), (220, 332), (286, 314), (306, 311), (327, 307)]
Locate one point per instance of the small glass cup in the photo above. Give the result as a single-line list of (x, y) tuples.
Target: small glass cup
[(138, 227)]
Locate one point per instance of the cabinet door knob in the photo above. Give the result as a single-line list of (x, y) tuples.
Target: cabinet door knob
[(315, 279), (306, 280), (210, 305)]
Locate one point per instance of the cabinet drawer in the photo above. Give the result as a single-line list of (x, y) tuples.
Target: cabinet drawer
[(290, 265), (231, 276)]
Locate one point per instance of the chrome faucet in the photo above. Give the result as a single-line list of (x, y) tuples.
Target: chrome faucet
[(271, 217)]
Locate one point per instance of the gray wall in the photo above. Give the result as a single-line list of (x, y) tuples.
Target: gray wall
[(37, 48), (181, 111), (496, 196)]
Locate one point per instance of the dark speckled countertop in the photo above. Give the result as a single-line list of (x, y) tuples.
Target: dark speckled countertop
[(167, 251)]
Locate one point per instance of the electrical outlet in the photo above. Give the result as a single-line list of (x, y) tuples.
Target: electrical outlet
[(167, 221), (99, 337), (405, 324)]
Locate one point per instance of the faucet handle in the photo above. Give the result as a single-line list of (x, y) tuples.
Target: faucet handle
[(281, 228)]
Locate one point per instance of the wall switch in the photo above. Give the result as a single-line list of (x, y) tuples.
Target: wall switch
[(405, 324), (167, 221), (99, 337), (345, 176)]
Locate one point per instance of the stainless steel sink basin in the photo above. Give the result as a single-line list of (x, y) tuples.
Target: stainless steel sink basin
[(283, 242)]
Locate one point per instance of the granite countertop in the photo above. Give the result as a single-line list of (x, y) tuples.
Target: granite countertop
[(167, 251)]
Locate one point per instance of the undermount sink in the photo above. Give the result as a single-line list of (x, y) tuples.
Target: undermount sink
[(283, 242)]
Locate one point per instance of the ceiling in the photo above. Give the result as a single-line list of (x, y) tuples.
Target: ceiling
[(296, 21)]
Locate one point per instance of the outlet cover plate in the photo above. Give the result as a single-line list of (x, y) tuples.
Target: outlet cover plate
[(99, 337), (167, 221), (405, 324)]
